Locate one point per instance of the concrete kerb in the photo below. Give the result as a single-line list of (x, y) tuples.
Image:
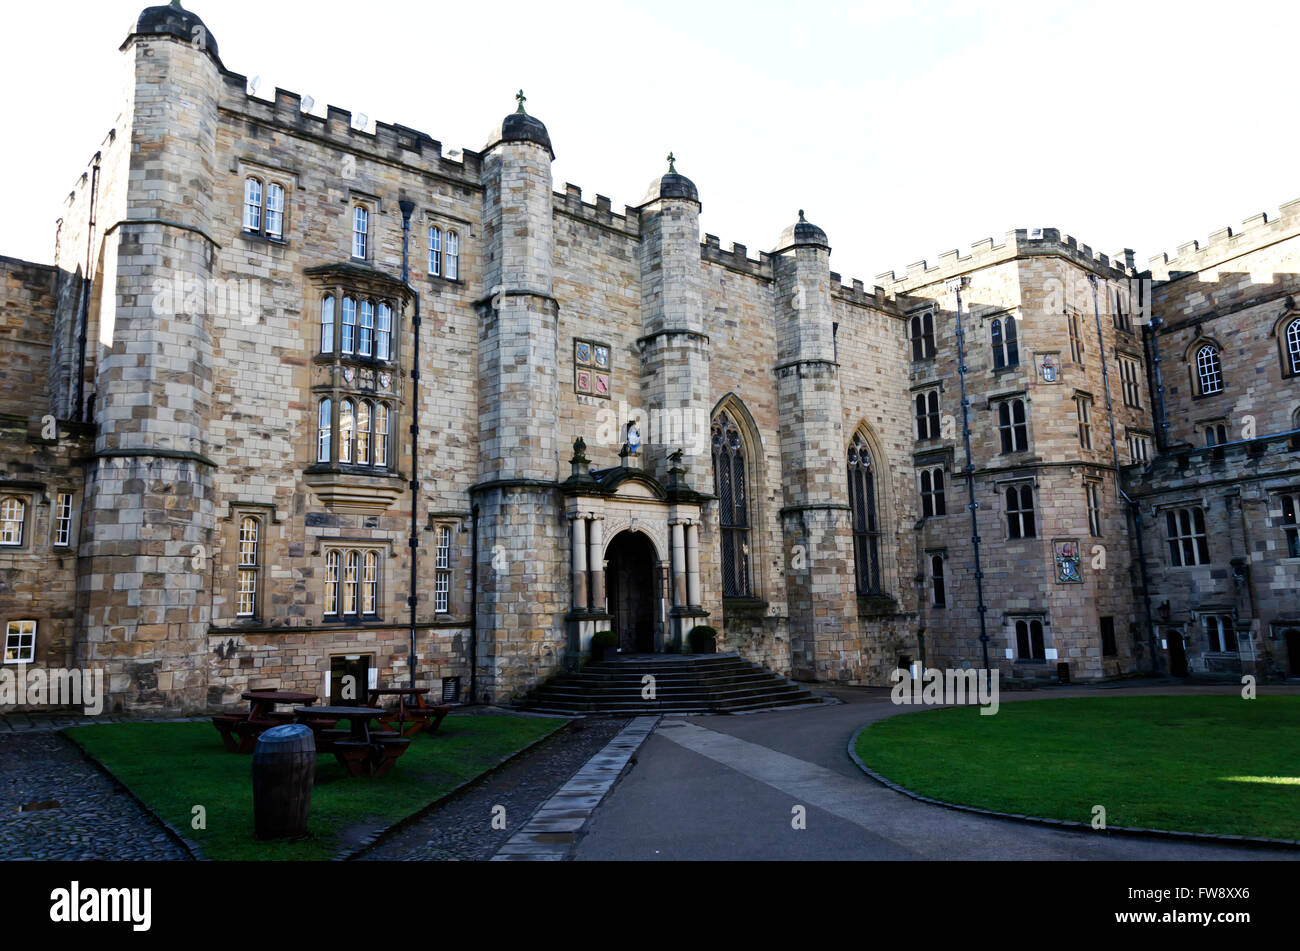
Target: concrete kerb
[(1171, 834)]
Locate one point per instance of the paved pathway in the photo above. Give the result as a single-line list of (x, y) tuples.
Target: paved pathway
[(69, 809), (462, 829), (551, 833), (725, 788)]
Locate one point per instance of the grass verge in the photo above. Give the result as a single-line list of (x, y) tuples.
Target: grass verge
[(176, 766), (1215, 764)]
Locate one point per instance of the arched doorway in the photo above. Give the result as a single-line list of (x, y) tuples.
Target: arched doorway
[(1293, 650), (1177, 655), (632, 587)]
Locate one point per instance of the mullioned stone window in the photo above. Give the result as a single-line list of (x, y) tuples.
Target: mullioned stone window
[(1006, 349), (1185, 535), (1013, 426), (921, 333), (1031, 640), (927, 415), (351, 584), (264, 208)]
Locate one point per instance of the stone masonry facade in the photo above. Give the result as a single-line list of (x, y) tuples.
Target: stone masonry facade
[(207, 482)]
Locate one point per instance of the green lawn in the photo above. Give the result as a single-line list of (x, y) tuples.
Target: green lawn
[(1197, 764), (176, 766)]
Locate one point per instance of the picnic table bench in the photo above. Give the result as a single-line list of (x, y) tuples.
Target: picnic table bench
[(359, 749), (413, 713), (239, 731)]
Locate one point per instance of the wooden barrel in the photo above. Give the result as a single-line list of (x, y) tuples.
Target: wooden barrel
[(284, 768)]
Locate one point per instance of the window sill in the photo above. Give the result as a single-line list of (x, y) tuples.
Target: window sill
[(261, 238)]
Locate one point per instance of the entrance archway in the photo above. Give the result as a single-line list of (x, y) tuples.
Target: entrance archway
[(1293, 650), (632, 587)]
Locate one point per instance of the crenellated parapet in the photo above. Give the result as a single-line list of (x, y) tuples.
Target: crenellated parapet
[(392, 143), (601, 213), (1255, 233), (1019, 243)]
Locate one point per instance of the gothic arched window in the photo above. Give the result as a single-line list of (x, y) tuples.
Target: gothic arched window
[(731, 488), (862, 506), (1292, 344), (1209, 371)]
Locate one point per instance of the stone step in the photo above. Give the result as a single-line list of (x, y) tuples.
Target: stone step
[(676, 683), (703, 693), (684, 684)]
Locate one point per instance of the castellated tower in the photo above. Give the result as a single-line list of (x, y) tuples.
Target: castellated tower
[(674, 344), (815, 517), (149, 526), (523, 572)]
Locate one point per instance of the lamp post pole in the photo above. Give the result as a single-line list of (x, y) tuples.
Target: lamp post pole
[(956, 285)]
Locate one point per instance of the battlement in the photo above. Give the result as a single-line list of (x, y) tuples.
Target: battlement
[(601, 213), (1224, 244), (737, 258), (389, 142), (1019, 243), (856, 292)]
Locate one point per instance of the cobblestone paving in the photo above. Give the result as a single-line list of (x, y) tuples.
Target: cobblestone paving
[(93, 818), (462, 829)]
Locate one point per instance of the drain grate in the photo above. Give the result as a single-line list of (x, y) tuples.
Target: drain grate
[(38, 806)]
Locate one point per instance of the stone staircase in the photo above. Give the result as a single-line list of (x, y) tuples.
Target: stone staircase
[(684, 683)]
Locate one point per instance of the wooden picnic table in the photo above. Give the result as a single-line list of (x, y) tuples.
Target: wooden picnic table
[(264, 702), (239, 731), (414, 713), (363, 750)]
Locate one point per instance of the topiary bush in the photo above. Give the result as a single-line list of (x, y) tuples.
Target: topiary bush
[(704, 639), (603, 643)]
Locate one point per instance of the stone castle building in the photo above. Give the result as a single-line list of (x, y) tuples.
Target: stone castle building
[(284, 373)]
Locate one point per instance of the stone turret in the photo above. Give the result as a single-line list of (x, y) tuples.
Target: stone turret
[(815, 515), (524, 549), (674, 344), (150, 506)]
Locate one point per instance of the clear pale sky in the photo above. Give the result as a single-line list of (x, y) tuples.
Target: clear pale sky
[(904, 129)]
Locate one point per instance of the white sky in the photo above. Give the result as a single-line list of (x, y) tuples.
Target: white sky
[(904, 129)]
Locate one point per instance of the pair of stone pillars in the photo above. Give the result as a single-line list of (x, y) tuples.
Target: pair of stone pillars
[(686, 563), (588, 536)]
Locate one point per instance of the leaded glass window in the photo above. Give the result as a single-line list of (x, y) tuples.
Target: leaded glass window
[(731, 487)]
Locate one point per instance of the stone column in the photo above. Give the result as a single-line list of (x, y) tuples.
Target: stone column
[(693, 564), (597, 564), (579, 562), (679, 564)]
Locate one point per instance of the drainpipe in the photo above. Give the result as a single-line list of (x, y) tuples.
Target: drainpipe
[(1158, 391), (1105, 382), (79, 413), (413, 597), (473, 611), (1122, 495), (956, 286)]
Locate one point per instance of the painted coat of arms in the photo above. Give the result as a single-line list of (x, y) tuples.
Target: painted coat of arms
[(1067, 563)]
